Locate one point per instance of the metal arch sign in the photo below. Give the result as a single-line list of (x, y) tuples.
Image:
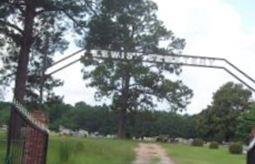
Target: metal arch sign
[(185, 60), (154, 58)]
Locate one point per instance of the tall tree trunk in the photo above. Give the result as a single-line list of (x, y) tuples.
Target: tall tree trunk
[(122, 111), (122, 123), (23, 58)]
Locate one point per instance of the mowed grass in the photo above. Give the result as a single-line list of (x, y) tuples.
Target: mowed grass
[(70, 150), (183, 154)]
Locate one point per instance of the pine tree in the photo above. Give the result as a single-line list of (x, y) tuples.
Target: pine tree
[(30, 29), (132, 26)]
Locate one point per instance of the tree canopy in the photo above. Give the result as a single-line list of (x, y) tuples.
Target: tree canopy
[(102, 119), (132, 26), (219, 121), (31, 32), (246, 123)]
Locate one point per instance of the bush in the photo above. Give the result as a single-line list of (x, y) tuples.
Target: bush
[(236, 148), (198, 142), (214, 145)]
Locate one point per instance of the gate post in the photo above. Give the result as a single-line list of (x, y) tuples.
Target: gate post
[(251, 153), (251, 149), (36, 142), (27, 136)]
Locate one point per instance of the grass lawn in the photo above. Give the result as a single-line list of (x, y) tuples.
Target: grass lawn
[(70, 150), (2, 146), (183, 154), (90, 151)]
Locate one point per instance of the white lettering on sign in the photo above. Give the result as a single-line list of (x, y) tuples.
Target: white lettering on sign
[(211, 61), (178, 59), (194, 61), (185, 61), (129, 56), (202, 61)]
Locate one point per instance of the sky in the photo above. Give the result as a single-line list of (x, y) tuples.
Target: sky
[(212, 28), (217, 28)]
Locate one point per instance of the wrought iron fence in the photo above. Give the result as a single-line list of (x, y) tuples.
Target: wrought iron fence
[(27, 138)]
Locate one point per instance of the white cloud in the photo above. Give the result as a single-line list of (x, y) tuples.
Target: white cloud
[(211, 28), (74, 89)]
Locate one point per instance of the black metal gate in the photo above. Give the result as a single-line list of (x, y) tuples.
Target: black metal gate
[(27, 138)]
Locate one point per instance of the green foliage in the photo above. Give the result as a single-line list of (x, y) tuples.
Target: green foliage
[(246, 122), (236, 148), (110, 78), (133, 26), (103, 120), (229, 102), (214, 145), (33, 32), (198, 142), (147, 123)]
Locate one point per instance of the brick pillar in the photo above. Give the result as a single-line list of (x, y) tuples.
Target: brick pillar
[(252, 134), (34, 145)]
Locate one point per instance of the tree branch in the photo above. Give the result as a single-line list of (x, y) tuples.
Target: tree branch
[(91, 6), (14, 37), (51, 7), (11, 26), (15, 4), (145, 91), (133, 85)]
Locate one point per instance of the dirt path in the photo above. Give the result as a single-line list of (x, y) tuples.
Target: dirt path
[(151, 154)]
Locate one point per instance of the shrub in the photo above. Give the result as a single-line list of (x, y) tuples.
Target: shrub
[(198, 142), (214, 145), (235, 148)]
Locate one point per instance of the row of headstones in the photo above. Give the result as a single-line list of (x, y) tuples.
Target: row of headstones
[(82, 133)]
